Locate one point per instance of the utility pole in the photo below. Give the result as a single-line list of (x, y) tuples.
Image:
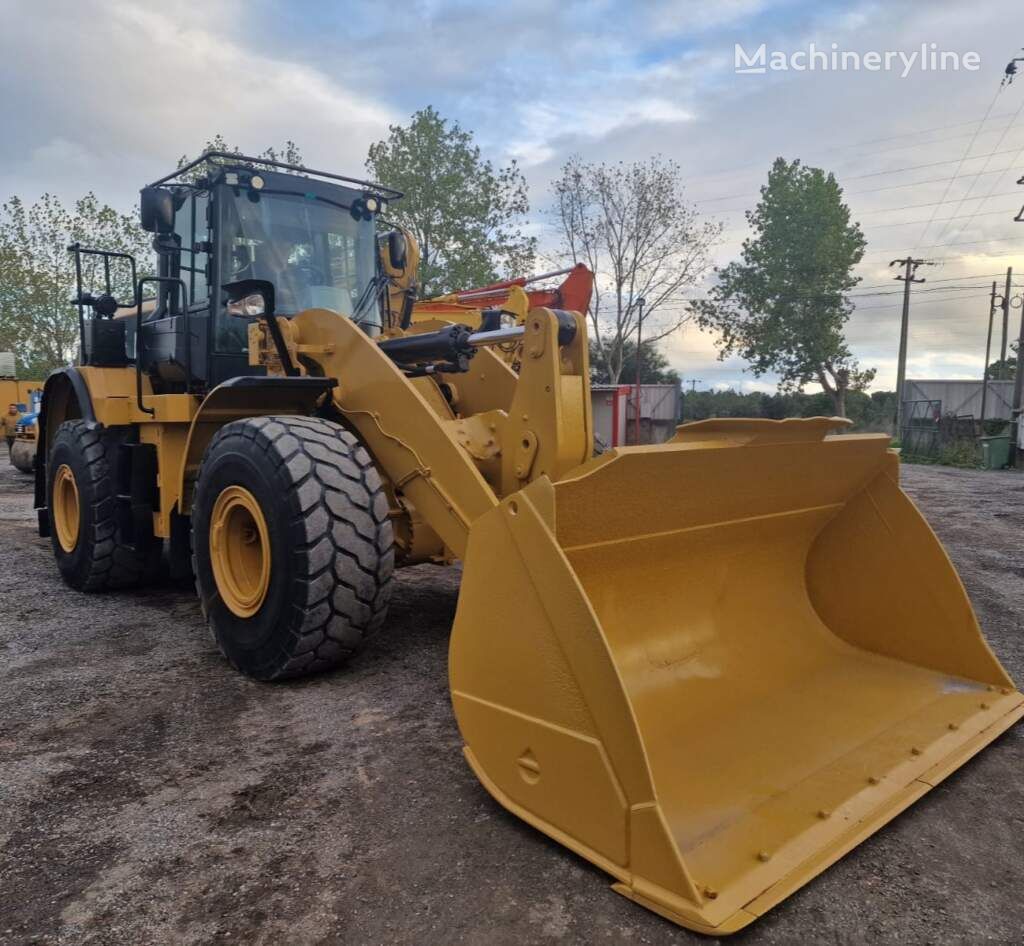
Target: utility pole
[(988, 351), (639, 329), (692, 382), (1018, 392), (1018, 378), (909, 265), (1006, 316)]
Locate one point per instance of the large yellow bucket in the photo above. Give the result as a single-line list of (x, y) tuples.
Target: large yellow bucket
[(713, 666)]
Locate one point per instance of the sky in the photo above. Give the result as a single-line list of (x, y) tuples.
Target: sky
[(105, 95)]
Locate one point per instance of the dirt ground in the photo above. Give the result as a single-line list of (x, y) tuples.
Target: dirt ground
[(150, 795)]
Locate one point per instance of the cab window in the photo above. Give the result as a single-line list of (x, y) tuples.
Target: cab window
[(190, 226)]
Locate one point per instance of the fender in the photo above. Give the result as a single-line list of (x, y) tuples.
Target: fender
[(65, 397), (234, 399)]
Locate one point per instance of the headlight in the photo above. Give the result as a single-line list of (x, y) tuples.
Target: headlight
[(248, 306)]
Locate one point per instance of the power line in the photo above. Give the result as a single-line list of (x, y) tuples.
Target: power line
[(924, 144), (899, 292), (893, 187), (994, 183), (858, 144), (874, 190), (889, 210), (923, 131), (903, 223), (967, 150), (908, 223), (896, 249), (921, 167), (937, 203), (946, 279), (871, 190), (965, 276), (893, 305)]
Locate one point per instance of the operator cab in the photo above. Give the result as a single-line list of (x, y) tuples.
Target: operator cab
[(229, 219)]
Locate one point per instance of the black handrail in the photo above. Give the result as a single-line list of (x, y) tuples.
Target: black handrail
[(79, 251), (389, 192), (161, 280)]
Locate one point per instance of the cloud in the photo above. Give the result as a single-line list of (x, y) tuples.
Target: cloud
[(107, 94), (126, 88), (547, 123), (669, 17)]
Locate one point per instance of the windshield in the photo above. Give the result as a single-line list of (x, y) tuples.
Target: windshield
[(312, 249)]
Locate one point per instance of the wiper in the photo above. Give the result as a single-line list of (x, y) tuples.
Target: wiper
[(371, 293)]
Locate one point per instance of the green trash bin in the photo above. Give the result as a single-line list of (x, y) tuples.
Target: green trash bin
[(995, 452)]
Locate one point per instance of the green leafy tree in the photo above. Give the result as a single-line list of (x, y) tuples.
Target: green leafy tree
[(700, 405), (14, 310), (288, 153), (465, 213), (783, 305), (1004, 369), (869, 412), (37, 273), (654, 366), (633, 227)]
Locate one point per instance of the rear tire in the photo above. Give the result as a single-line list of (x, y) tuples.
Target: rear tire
[(87, 544), (292, 545)]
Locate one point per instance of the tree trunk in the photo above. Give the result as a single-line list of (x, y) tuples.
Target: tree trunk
[(839, 401), (836, 391)]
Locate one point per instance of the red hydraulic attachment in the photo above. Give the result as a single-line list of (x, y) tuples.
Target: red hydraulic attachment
[(573, 294)]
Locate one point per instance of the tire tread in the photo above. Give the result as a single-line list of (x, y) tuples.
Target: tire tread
[(112, 564), (342, 539)]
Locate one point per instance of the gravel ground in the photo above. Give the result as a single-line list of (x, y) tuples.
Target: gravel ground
[(149, 795)]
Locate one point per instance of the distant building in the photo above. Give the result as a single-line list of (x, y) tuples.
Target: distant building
[(962, 398), (614, 412)]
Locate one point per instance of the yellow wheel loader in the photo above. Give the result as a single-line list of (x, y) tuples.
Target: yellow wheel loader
[(711, 667)]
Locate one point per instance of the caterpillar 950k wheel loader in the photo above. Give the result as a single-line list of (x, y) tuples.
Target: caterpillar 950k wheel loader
[(711, 666)]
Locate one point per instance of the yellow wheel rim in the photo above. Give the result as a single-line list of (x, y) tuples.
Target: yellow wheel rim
[(66, 514), (240, 551)]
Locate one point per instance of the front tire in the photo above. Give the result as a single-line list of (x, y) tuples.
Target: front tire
[(292, 545)]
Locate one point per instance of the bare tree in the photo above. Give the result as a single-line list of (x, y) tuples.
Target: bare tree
[(631, 224)]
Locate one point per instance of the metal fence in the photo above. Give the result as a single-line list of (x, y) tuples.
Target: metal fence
[(928, 433), (919, 436)]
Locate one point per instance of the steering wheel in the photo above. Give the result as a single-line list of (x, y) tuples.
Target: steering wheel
[(311, 275)]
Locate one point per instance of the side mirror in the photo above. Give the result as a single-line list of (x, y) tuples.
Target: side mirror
[(249, 298), (156, 210), (397, 249)]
